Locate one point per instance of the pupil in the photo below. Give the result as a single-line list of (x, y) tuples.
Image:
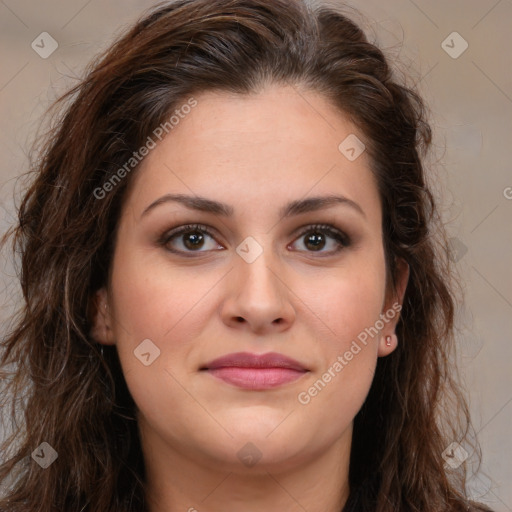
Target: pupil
[(193, 240), (316, 240)]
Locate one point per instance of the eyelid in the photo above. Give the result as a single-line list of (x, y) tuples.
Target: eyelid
[(326, 228), (185, 228)]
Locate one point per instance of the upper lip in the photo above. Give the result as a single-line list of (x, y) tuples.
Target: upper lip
[(248, 360)]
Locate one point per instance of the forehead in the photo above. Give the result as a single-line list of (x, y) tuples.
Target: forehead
[(279, 142)]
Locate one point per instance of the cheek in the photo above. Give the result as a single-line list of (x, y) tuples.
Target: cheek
[(348, 310), (334, 397), (154, 298), (350, 302), (171, 306), (168, 306)]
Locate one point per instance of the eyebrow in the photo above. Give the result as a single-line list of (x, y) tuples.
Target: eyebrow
[(296, 207)]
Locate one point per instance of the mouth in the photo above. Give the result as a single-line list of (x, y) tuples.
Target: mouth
[(255, 372)]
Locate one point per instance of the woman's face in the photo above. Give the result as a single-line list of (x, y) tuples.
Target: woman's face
[(267, 278)]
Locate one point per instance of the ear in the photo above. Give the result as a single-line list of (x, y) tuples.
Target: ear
[(390, 315), (101, 318)]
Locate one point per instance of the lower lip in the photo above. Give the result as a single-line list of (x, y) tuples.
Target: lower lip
[(256, 378)]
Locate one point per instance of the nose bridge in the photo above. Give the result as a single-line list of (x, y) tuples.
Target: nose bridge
[(258, 296), (257, 271)]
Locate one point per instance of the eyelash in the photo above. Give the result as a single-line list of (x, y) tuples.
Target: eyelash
[(340, 237)]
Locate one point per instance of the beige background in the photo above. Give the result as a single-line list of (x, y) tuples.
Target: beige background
[(471, 102)]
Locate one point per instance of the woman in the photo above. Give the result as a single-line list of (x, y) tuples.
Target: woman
[(234, 295)]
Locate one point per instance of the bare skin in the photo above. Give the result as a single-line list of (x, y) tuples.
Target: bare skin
[(197, 299)]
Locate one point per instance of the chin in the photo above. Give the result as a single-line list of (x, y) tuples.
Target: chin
[(264, 444), (259, 456), (264, 423)]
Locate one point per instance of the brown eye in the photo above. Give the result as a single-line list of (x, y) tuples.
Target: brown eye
[(190, 239), (319, 237), (315, 241), (193, 240)]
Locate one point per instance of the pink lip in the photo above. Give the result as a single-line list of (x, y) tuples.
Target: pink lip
[(256, 372)]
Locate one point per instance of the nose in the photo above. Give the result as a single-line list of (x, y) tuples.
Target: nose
[(258, 299)]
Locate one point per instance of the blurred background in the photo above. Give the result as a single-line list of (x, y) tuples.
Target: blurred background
[(458, 53)]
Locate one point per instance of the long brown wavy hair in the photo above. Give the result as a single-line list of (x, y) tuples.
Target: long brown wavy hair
[(73, 396)]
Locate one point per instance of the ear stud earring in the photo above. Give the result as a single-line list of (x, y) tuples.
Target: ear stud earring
[(388, 341)]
